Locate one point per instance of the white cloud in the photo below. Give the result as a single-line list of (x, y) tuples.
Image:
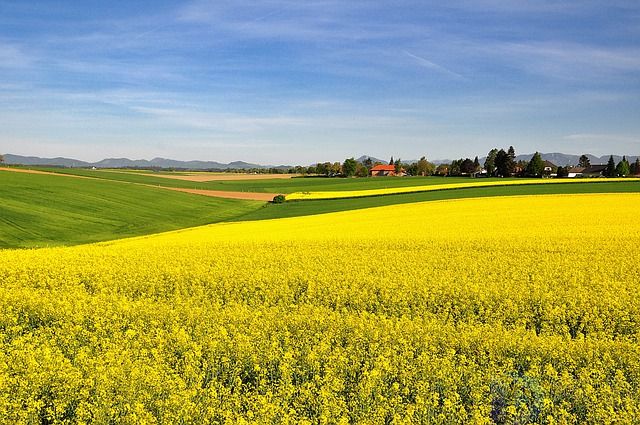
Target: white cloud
[(434, 66), (614, 138), (14, 56)]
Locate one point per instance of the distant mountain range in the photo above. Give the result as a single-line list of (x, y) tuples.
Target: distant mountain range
[(556, 158), (404, 161), (130, 163)]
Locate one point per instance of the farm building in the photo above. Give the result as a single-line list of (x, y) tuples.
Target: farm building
[(575, 172), (591, 171), (595, 171), (386, 170)]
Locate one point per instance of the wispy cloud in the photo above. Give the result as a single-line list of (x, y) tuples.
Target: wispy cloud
[(328, 77), (13, 56), (617, 138), (571, 60), (434, 66)]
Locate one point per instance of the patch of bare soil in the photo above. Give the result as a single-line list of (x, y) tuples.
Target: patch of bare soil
[(252, 196)]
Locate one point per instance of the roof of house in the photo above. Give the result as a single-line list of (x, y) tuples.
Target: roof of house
[(384, 168), (549, 164), (595, 169), (577, 169)]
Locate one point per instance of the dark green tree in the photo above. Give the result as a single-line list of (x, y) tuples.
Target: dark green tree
[(584, 161), (511, 160), (623, 169), (412, 169), (467, 166), (454, 168), (635, 167), (502, 164), (610, 171), (349, 167), (391, 162), (361, 170), (562, 171), (490, 162), (425, 168), (476, 164), (535, 167), (398, 165), (322, 168), (368, 163)]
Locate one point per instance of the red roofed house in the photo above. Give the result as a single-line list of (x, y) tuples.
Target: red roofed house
[(385, 170)]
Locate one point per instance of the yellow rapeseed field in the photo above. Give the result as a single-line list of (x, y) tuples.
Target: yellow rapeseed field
[(488, 310), (339, 194)]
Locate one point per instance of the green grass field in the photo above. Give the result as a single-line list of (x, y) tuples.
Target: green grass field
[(284, 186), (40, 210)]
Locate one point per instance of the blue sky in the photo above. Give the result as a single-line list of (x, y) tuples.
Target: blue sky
[(285, 81)]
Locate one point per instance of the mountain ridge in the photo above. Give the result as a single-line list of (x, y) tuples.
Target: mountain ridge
[(133, 163), (555, 157)]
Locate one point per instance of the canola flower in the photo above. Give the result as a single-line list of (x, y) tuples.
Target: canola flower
[(301, 196), (486, 310)]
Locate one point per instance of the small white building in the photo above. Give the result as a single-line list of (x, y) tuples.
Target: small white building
[(575, 172)]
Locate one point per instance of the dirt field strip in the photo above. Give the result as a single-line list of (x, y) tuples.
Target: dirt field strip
[(251, 196)]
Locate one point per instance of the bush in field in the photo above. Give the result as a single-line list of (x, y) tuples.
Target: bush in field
[(278, 199)]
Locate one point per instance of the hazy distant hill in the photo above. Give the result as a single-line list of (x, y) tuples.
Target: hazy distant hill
[(556, 158), (34, 160), (373, 159), (129, 163), (565, 159)]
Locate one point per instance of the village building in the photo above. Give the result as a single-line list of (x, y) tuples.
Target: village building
[(591, 171), (595, 171), (386, 170), (549, 169), (575, 172)]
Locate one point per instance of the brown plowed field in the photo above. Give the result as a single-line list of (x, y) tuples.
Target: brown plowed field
[(253, 196)]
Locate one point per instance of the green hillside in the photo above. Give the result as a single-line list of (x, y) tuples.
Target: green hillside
[(40, 210), (44, 210), (296, 184)]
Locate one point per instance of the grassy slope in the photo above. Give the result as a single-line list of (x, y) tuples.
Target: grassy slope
[(40, 210), (292, 209), (308, 184)]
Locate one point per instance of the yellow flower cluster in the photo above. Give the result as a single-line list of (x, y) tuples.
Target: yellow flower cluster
[(488, 310), (301, 196)]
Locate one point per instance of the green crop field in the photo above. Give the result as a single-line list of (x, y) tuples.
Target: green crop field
[(297, 184), (43, 210), (40, 210)]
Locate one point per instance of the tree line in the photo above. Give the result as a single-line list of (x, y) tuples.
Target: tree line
[(498, 163)]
